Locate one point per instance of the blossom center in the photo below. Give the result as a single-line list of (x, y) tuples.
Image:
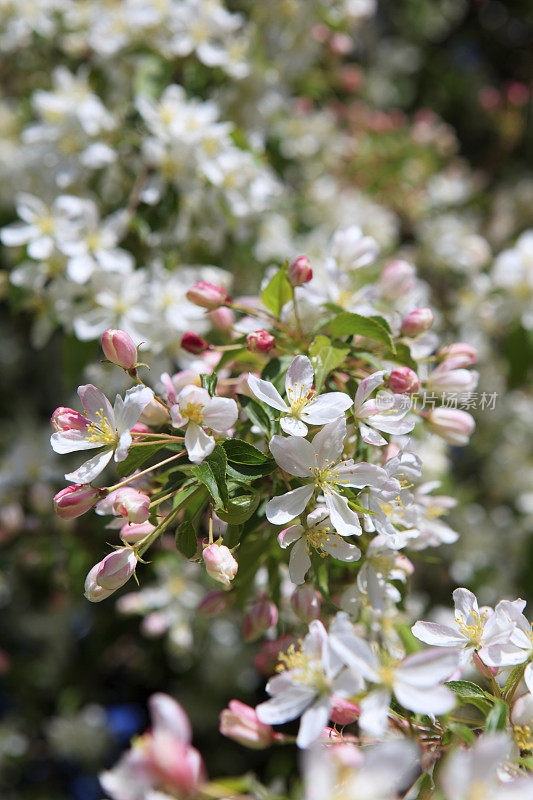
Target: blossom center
[(473, 632), (304, 668), (194, 412), (299, 396), (319, 537), (101, 431)]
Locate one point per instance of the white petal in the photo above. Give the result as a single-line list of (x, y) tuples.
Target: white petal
[(300, 377), (289, 535), (362, 474), (329, 441), (370, 436), (282, 509), (435, 634), (465, 602), (432, 700), (344, 520), (293, 454), (80, 268), (128, 411), (221, 413), (17, 234), (91, 468), (198, 443), (285, 706), (366, 387), (340, 549), (313, 722), (96, 404), (293, 426), (41, 248), (299, 562), (124, 444), (528, 677), (71, 441), (429, 666), (374, 712), (267, 392), (326, 408)]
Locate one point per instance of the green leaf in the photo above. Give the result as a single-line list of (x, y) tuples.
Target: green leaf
[(403, 355), (325, 357), (137, 456), (240, 509), (497, 716), (240, 452), (470, 693), (212, 472), (278, 292), (256, 413), (349, 324), (209, 382), (188, 494), (515, 676), (463, 732), (186, 538)]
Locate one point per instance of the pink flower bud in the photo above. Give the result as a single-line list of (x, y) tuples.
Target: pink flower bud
[(262, 616), (130, 503), (451, 424), (194, 344), (343, 712), (214, 603), (131, 534), (220, 564), (208, 295), (173, 763), (447, 379), (397, 279), (118, 348), (75, 500), (305, 602), (417, 321), (66, 419), (462, 354), (240, 723), (403, 381), (260, 342), (140, 427), (222, 318), (110, 574), (300, 271)]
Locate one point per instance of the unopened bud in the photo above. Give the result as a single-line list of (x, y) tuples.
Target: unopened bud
[(241, 723), (397, 279), (451, 424), (66, 419), (130, 503), (462, 354), (118, 348), (222, 318), (75, 500), (417, 321), (110, 574), (220, 564), (208, 295), (134, 532), (305, 602), (300, 271), (343, 712), (260, 342), (403, 381), (194, 344), (214, 603), (445, 378), (262, 616)]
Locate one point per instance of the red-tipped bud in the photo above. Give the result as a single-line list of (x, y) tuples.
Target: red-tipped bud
[(220, 564), (66, 419), (343, 712), (300, 271), (194, 344), (262, 616), (110, 574), (118, 348), (417, 321), (260, 342), (305, 602), (403, 381), (208, 295), (75, 500), (241, 723)]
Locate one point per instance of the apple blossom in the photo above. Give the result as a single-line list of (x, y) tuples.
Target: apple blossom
[(109, 427), (126, 502), (303, 406), (385, 413), (320, 463), (260, 342), (317, 534), (196, 410), (241, 723)]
